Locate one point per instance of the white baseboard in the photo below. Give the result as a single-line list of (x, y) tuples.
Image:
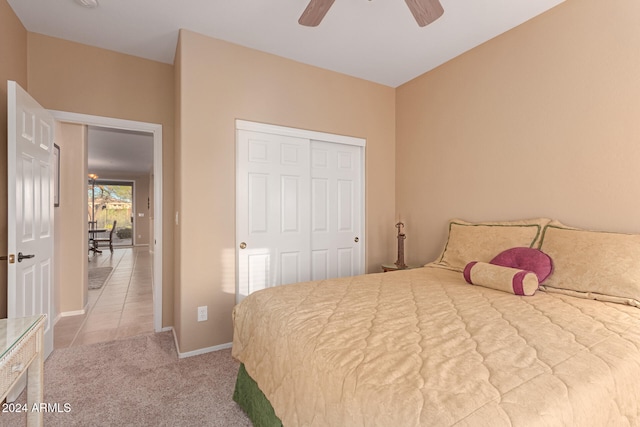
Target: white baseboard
[(71, 313), (85, 310), (200, 350)]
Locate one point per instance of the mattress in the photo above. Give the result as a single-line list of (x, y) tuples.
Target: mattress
[(421, 347)]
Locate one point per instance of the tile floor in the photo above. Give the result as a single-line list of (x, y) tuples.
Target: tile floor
[(122, 308)]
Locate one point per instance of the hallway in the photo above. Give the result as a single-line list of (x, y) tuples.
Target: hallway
[(122, 307)]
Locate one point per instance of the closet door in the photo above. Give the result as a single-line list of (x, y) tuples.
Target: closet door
[(272, 211), (336, 210)]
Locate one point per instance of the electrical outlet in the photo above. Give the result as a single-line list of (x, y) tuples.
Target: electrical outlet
[(202, 313)]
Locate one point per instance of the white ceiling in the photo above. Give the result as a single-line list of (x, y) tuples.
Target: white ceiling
[(376, 40), (119, 151)]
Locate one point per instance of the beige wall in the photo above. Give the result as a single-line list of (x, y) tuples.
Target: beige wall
[(219, 82), (541, 121), (71, 244), (77, 78), (13, 66)]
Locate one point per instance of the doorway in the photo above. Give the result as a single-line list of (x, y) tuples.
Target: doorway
[(156, 186)]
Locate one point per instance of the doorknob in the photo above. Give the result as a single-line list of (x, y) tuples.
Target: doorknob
[(243, 245), (21, 257), (356, 239)]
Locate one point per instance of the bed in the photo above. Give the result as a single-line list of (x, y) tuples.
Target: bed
[(431, 347)]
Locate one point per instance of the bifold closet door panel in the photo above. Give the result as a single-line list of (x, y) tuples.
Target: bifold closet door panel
[(336, 210), (272, 210)]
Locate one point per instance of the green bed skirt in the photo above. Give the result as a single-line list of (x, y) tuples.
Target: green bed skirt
[(253, 402)]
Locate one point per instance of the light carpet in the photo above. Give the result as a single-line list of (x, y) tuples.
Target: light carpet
[(98, 275), (138, 381)]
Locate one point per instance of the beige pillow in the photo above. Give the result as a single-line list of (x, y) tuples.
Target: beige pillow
[(481, 241), (593, 264)]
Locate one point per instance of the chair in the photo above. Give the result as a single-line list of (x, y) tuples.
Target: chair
[(109, 240)]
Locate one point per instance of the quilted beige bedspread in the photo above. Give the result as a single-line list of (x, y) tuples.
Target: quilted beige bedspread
[(422, 347)]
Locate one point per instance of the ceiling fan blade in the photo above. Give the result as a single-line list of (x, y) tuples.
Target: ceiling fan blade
[(315, 11), (425, 11)]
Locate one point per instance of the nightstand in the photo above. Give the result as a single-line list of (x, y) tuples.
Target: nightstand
[(393, 267)]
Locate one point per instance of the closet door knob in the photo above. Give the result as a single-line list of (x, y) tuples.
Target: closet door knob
[(356, 240), (243, 245)]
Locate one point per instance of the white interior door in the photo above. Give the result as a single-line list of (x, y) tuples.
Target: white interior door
[(30, 209), (336, 210), (273, 211)]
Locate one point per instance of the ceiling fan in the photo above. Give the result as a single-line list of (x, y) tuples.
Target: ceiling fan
[(424, 11)]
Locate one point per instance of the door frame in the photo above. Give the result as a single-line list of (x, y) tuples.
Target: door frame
[(246, 125), (156, 130), (302, 133)]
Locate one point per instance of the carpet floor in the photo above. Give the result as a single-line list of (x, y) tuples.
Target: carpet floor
[(138, 381), (98, 275)]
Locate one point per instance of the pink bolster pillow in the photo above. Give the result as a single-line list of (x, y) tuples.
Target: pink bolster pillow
[(506, 279)]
